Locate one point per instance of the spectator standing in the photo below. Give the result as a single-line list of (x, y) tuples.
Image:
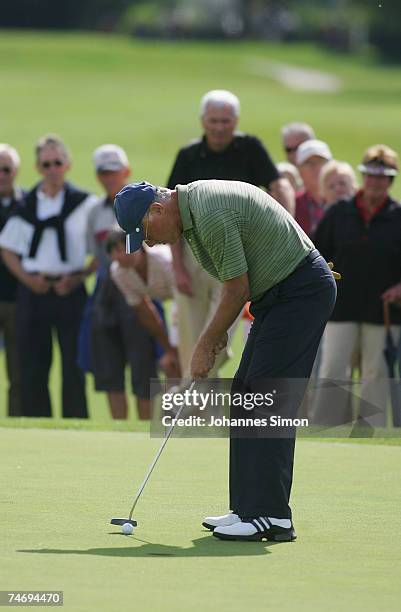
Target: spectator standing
[(293, 135), (311, 157), (10, 198), (44, 246), (362, 236), (117, 336), (221, 153)]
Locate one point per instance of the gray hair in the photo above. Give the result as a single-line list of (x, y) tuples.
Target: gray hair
[(298, 128), (219, 97), (162, 195), (51, 140), (6, 149)]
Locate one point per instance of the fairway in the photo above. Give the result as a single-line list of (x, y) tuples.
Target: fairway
[(60, 488), (144, 95), (62, 480)]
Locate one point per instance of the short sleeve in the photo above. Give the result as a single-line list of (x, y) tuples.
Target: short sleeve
[(16, 236), (128, 283), (91, 201), (90, 234), (223, 242), (264, 168), (179, 173)]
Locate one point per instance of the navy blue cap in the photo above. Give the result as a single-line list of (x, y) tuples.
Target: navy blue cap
[(131, 204)]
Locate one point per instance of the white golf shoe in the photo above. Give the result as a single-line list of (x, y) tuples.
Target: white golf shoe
[(211, 522), (257, 529)]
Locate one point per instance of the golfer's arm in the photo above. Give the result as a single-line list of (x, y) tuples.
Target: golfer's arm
[(150, 318), (13, 263), (282, 191), (234, 295)]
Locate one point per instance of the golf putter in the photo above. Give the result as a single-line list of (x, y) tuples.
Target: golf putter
[(122, 521)]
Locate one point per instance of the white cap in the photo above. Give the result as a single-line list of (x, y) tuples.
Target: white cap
[(309, 148), (110, 157)]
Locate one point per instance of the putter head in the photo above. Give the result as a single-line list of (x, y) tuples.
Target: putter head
[(122, 521)]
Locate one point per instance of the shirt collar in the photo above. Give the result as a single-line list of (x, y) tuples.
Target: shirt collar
[(183, 205), (41, 196), (365, 213), (205, 150)]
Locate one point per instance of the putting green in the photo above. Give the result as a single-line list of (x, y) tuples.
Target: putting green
[(60, 488)]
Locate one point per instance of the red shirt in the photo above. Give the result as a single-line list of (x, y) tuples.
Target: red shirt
[(367, 213), (308, 212)]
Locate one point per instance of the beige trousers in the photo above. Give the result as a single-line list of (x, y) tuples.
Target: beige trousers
[(341, 340), (195, 312)]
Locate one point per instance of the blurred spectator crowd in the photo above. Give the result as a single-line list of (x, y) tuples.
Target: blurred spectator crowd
[(55, 235)]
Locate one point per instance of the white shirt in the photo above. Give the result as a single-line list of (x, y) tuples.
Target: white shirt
[(17, 236)]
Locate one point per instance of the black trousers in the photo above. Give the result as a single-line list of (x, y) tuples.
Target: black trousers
[(282, 344), (37, 317)]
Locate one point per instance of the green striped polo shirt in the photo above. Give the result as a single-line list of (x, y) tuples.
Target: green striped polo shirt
[(233, 228)]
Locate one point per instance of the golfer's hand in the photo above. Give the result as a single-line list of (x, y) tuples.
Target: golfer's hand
[(336, 275), (221, 345), (202, 360), (184, 281)]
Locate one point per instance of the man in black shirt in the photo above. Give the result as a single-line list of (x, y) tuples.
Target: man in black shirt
[(10, 195), (221, 153)]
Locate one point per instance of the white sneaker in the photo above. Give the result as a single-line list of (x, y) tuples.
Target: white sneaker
[(211, 522), (255, 529)]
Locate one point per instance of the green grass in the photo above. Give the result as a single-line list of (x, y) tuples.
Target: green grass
[(144, 95), (60, 488), (61, 481), (94, 88)]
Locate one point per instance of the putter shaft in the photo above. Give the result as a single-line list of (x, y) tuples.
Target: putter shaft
[(169, 432)]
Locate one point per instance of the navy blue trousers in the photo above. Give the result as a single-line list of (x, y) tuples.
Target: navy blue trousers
[(283, 342), (37, 317)]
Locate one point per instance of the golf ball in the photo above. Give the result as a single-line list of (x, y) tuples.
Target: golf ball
[(127, 528)]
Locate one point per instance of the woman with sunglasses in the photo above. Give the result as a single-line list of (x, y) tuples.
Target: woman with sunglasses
[(44, 246)]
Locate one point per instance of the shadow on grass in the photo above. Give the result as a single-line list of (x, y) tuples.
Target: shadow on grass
[(202, 547)]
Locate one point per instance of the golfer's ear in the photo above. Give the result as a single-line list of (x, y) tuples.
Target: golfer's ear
[(157, 208)]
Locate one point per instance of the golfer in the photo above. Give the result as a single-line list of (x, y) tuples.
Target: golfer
[(243, 237)]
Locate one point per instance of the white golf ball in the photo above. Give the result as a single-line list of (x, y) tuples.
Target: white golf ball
[(127, 529)]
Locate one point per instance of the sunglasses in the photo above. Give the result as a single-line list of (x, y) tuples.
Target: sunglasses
[(5, 169), (57, 163), (291, 149)]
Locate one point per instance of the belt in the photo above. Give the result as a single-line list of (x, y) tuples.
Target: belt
[(56, 277), (311, 256)]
